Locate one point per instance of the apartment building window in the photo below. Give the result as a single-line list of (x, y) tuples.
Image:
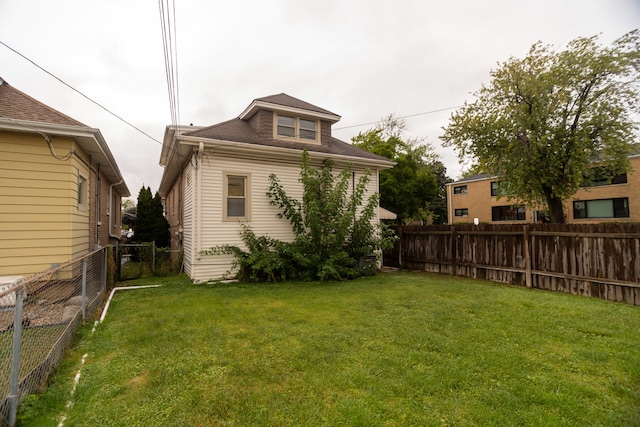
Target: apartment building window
[(508, 213), (600, 178), (603, 208), (297, 128), (494, 188), (236, 189), (460, 189), (462, 212)]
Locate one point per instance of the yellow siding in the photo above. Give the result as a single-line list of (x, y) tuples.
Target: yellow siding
[(40, 223)]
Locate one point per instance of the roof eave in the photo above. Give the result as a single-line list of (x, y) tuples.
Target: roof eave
[(262, 105), (285, 153), (90, 139)]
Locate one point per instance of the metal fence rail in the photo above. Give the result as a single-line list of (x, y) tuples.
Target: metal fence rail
[(37, 321)]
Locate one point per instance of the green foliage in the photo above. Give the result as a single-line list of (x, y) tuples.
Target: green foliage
[(264, 260), (414, 188), (150, 224), (333, 230), (544, 120)]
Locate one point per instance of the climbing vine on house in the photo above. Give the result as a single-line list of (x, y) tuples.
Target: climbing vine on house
[(332, 226)]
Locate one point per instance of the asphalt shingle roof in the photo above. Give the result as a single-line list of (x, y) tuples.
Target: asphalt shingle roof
[(239, 130), (289, 101), (17, 105)]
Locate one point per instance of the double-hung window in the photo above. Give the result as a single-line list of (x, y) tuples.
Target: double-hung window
[(296, 128), (82, 192), (236, 195)]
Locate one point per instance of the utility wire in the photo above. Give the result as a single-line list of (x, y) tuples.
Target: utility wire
[(401, 117), (172, 85), (170, 47), (85, 96)]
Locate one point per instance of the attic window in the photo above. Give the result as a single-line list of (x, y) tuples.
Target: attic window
[(296, 128)]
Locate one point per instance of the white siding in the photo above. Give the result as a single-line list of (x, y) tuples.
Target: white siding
[(214, 231), (187, 236)]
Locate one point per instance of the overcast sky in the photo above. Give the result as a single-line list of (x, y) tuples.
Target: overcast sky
[(361, 59)]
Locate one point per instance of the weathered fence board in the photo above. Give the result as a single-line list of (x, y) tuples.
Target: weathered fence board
[(597, 260)]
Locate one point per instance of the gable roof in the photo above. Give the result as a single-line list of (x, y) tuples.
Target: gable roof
[(20, 106)]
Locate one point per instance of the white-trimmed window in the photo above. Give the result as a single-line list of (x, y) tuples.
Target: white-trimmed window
[(236, 197), (297, 128), (82, 192)]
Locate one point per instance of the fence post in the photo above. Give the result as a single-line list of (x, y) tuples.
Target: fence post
[(118, 260), (454, 255), (105, 267), (400, 229), (84, 288), (527, 257), (15, 357), (153, 259)]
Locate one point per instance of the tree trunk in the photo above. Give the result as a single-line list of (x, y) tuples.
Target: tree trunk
[(556, 210)]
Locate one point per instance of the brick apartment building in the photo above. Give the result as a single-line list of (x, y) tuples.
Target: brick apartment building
[(475, 200)]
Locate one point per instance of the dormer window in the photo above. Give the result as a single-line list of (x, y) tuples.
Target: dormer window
[(296, 128), (287, 126)]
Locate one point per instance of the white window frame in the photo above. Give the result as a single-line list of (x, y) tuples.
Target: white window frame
[(83, 192), (226, 196), (297, 128)]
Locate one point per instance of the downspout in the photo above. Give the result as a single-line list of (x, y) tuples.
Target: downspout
[(198, 196), (450, 205), (111, 225), (96, 243)]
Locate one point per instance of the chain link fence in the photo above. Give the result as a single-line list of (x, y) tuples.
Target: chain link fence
[(135, 260), (38, 318)]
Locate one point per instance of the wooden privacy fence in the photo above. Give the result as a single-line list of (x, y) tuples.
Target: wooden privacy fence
[(597, 260)]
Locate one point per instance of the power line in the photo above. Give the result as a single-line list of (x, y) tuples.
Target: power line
[(170, 47), (77, 91), (401, 117)]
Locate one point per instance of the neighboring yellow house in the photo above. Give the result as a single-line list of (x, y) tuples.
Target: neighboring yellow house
[(474, 199), (60, 187)]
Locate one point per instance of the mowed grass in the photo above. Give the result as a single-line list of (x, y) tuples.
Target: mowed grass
[(398, 349)]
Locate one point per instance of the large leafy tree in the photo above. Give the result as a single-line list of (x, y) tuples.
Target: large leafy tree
[(544, 121), (150, 224), (414, 187)]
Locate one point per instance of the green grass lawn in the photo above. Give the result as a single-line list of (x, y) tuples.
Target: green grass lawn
[(397, 349)]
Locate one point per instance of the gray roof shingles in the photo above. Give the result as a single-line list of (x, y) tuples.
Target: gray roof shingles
[(238, 130), (17, 105)]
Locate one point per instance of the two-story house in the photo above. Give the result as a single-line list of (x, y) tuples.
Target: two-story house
[(216, 177)]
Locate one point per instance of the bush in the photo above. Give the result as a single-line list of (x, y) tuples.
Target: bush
[(333, 231)]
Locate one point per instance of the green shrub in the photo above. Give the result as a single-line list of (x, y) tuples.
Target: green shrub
[(333, 230)]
